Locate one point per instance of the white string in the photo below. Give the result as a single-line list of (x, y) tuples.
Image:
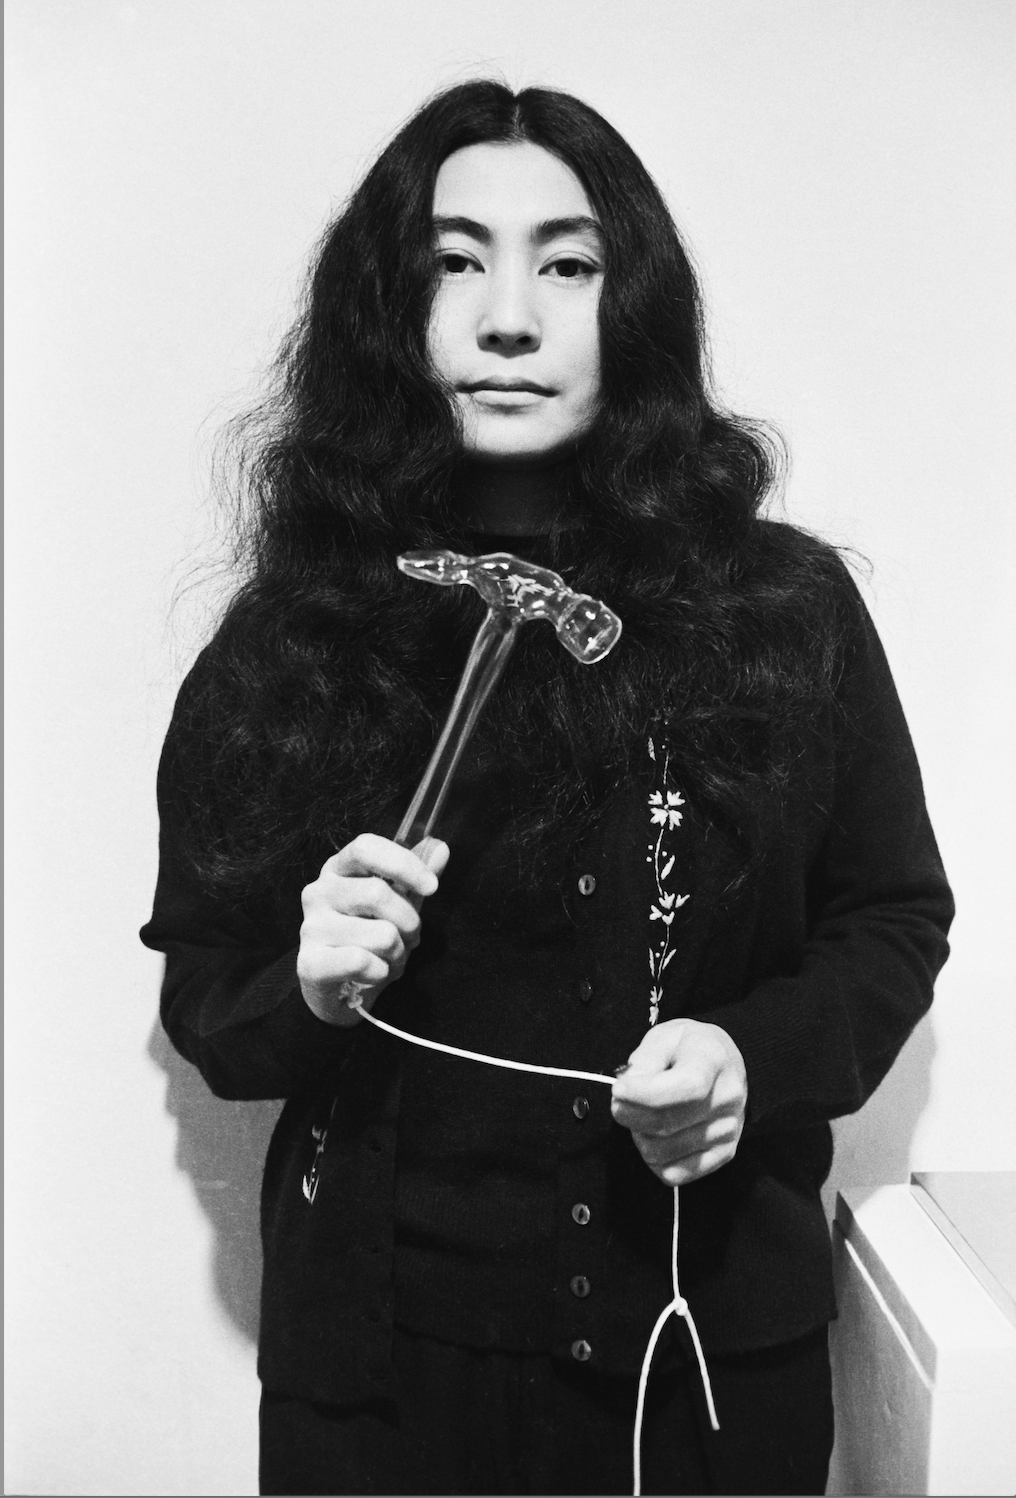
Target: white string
[(677, 1307), (453, 1050)]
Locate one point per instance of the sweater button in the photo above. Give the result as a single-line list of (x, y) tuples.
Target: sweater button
[(579, 1286), (580, 1107), (585, 990), (581, 1351), (581, 1214), (586, 884)]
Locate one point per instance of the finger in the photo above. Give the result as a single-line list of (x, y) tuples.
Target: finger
[(325, 967), (434, 853), (372, 898), (694, 1167), (661, 1121), (336, 930), (673, 1148), (685, 1086), (380, 937), (369, 854), (673, 1077)]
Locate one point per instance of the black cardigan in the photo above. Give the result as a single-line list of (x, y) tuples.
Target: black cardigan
[(818, 968)]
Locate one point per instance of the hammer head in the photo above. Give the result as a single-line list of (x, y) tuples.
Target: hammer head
[(521, 590)]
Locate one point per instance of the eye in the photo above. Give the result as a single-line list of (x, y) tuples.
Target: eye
[(455, 263), (570, 268)]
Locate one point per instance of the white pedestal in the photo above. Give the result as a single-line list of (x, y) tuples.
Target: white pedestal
[(924, 1359)]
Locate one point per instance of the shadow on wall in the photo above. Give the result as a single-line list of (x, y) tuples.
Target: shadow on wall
[(873, 1146), (222, 1147)]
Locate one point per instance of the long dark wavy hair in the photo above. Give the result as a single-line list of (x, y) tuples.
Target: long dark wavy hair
[(317, 701)]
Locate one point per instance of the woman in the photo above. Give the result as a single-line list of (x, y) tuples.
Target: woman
[(501, 349)]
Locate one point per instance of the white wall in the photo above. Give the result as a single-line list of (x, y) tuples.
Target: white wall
[(842, 168)]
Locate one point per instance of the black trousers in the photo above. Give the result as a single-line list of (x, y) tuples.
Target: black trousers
[(469, 1422)]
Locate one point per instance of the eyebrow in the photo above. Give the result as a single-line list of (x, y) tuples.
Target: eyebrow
[(542, 233)]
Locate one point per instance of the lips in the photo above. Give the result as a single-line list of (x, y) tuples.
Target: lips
[(506, 387)]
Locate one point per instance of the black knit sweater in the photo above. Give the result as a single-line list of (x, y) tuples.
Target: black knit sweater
[(499, 1209)]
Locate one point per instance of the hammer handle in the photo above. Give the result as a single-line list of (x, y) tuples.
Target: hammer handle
[(487, 660)]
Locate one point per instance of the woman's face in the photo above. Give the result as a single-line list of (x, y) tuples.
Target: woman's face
[(513, 329)]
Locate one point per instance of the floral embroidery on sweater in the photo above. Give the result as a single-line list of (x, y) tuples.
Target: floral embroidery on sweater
[(664, 814)]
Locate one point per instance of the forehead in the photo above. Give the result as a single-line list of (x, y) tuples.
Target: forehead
[(508, 184)]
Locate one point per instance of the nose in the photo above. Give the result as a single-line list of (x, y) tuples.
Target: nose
[(509, 323)]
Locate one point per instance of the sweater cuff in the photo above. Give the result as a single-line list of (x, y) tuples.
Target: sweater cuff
[(270, 1005), (301, 1041), (773, 1037)]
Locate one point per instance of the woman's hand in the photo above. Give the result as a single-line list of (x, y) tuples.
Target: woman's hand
[(683, 1096), (361, 920)]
